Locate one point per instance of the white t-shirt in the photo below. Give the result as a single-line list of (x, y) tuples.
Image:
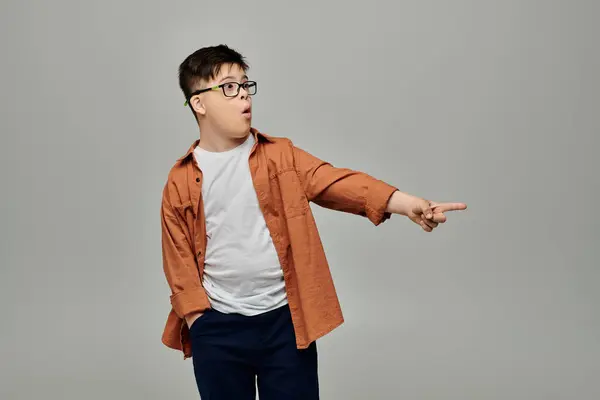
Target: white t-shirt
[(242, 273)]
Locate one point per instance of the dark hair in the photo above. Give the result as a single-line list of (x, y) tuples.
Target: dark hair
[(204, 64)]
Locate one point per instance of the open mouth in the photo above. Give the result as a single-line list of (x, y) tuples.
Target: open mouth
[(247, 112)]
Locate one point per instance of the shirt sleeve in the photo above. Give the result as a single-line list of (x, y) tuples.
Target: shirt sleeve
[(179, 264), (342, 189)]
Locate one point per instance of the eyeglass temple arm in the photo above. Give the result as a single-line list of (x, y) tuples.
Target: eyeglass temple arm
[(200, 91)]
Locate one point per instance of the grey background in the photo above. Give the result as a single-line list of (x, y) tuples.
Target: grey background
[(492, 103)]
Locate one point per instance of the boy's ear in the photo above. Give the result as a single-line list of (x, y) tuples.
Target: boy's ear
[(198, 106)]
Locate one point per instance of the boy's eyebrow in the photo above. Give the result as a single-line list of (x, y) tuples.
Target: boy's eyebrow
[(232, 77)]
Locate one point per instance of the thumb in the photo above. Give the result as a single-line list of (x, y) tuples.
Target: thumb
[(423, 207)]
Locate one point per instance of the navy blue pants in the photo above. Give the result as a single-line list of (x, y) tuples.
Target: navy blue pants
[(233, 355)]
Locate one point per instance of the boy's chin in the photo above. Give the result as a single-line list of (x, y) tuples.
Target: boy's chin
[(240, 134)]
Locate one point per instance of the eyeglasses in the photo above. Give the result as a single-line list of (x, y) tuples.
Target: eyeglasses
[(230, 89)]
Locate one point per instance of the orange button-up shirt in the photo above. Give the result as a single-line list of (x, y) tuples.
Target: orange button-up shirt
[(286, 178)]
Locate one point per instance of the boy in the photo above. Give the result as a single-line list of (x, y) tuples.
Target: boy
[(251, 287)]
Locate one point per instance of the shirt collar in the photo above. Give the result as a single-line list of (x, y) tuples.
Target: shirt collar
[(257, 136)]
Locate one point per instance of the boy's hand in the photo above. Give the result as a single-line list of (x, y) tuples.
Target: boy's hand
[(428, 214), (424, 213), (190, 318)]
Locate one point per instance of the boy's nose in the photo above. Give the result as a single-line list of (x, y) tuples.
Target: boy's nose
[(243, 93)]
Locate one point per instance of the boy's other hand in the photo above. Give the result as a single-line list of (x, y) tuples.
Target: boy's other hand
[(190, 318)]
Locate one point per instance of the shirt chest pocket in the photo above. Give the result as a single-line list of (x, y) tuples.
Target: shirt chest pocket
[(185, 212), (189, 225), (293, 199)]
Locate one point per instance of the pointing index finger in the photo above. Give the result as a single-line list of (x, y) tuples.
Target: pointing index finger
[(444, 207)]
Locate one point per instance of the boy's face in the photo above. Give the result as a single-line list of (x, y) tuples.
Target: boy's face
[(229, 113)]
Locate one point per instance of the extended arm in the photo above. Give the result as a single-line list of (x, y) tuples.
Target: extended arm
[(355, 192)]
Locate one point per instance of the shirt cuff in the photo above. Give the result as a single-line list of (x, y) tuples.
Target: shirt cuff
[(190, 300), (377, 200)]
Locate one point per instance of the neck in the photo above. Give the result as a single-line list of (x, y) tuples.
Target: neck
[(211, 140)]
